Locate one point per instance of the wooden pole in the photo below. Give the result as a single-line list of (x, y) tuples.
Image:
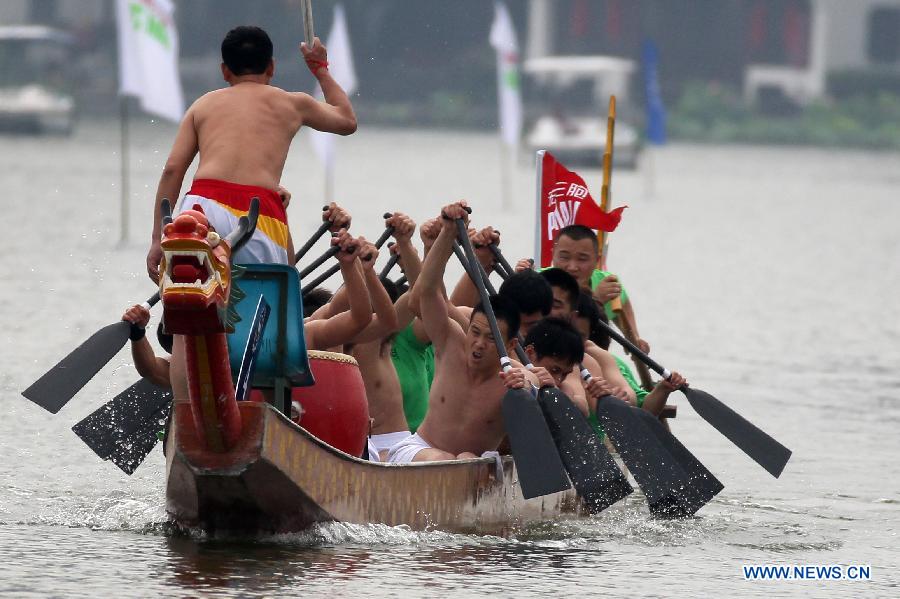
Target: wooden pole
[(602, 239), (308, 29), (621, 319)]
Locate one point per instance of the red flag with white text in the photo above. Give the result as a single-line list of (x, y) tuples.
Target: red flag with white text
[(565, 200)]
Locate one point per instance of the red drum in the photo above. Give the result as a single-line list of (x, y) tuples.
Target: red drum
[(334, 409)]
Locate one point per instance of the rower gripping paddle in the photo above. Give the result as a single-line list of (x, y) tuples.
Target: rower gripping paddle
[(332, 251), (538, 464), (593, 472), (760, 446), (125, 429)]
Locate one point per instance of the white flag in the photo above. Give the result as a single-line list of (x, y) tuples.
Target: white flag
[(503, 39), (148, 56), (340, 65)]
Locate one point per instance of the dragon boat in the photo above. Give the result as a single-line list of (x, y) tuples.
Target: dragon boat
[(287, 457)]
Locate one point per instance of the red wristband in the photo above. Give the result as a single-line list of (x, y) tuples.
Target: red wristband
[(314, 65)]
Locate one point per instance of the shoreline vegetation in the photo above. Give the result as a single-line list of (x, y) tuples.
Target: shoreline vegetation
[(708, 112)]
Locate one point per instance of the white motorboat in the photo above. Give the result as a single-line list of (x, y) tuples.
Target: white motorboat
[(35, 88), (576, 90)]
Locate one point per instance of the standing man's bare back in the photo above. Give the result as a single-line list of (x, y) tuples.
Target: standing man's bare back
[(242, 134)]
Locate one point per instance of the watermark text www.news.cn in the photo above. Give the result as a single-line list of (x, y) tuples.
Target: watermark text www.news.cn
[(807, 572)]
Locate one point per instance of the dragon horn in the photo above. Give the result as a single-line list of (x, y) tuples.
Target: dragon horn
[(165, 209)]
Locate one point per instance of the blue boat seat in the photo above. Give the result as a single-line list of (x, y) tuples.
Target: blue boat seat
[(282, 362)]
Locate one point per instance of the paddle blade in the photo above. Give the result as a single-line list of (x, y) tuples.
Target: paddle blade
[(594, 473), (124, 430), (670, 491), (538, 464), (60, 384), (703, 485), (765, 451)]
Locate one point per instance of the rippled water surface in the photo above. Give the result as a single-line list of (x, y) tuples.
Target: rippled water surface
[(768, 276)]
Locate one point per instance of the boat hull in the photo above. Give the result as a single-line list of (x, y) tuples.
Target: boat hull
[(278, 478)]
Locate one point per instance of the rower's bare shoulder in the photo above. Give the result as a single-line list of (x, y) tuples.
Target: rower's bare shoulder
[(205, 103), (301, 100)]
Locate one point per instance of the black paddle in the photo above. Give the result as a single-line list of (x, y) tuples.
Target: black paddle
[(665, 484), (388, 231), (593, 472), (765, 450), (391, 263), (60, 384), (703, 484), (501, 261), (659, 463), (331, 251), (540, 469), (312, 240), (125, 429)]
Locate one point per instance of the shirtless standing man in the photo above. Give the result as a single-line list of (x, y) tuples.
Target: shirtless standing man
[(242, 134), (464, 410)]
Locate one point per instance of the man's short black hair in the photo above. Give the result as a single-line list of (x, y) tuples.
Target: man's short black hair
[(588, 309), (530, 291), (314, 300), (556, 338), (247, 50), (557, 277), (504, 309), (579, 232)]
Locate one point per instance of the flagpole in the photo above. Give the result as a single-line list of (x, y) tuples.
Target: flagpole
[(123, 170), (538, 186), (603, 236)]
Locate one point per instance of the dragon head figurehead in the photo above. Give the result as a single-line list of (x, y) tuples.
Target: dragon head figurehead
[(195, 275)]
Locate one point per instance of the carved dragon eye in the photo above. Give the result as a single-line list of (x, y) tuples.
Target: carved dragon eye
[(213, 239)]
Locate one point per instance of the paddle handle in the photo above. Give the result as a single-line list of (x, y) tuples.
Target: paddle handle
[(501, 259), (458, 251), (333, 250), (463, 235), (154, 299), (391, 263), (388, 231), (319, 280), (330, 252), (585, 373), (312, 240), (635, 351)]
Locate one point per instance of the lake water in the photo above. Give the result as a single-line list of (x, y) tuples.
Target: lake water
[(768, 276)]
